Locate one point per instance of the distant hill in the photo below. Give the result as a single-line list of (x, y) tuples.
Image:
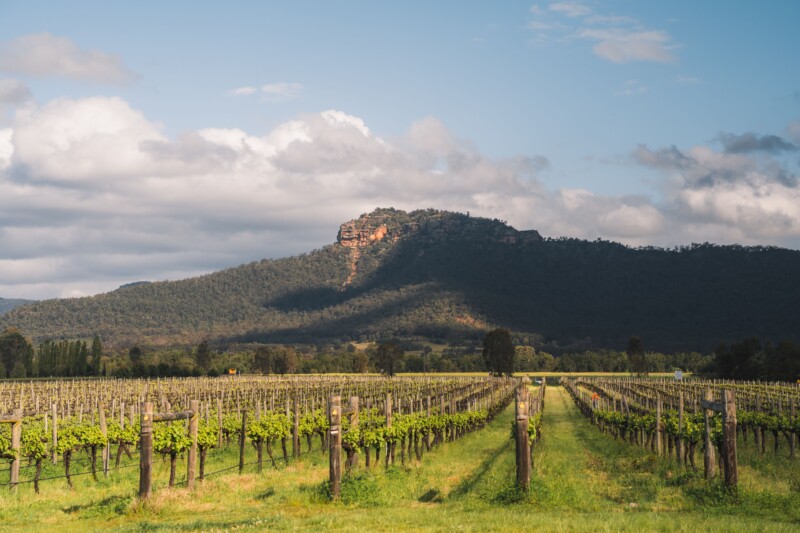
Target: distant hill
[(7, 304), (447, 275), (133, 284)]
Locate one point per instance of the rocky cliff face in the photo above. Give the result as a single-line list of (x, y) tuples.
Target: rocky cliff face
[(389, 225), (360, 233)]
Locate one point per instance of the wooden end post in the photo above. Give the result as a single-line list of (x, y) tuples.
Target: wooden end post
[(659, 441), (679, 451), (335, 455), (353, 419), (146, 453), (242, 436), (729, 438), (709, 459), (16, 438), (104, 430), (191, 469), (54, 417), (523, 444), (296, 428)]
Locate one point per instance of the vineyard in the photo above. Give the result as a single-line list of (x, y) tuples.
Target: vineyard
[(347, 452), (51, 422)]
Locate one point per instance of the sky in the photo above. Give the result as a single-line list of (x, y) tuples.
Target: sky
[(162, 140)]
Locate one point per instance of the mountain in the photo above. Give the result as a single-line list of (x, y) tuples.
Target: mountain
[(447, 275), (7, 304)]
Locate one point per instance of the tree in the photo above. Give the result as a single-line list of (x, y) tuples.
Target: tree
[(285, 361), (262, 360), (135, 354), (637, 360), (18, 371), (137, 366), (360, 362), (97, 354), (498, 352), (387, 357), (203, 355), (15, 348)]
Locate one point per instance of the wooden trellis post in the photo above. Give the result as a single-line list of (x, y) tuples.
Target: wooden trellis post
[(352, 415), (194, 407), (729, 458), (104, 431), (659, 441), (15, 419), (146, 453), (523, 447), (709, 461), (296, 428), (148, 418), (335, 442), (242, 436), (728, 409)]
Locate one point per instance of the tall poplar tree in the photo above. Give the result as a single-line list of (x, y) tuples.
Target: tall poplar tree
[(97, 354)]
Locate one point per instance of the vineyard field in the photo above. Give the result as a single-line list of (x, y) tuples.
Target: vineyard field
[(584, 478)]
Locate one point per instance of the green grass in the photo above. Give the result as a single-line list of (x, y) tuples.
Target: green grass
[(583, 481)]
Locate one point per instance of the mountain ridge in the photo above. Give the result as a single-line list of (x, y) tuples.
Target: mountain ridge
[(444, 275)]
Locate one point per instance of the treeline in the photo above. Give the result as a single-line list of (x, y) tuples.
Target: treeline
[(50, 359), (748, 359)]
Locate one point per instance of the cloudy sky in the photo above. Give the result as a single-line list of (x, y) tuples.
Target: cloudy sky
[(160, 140)]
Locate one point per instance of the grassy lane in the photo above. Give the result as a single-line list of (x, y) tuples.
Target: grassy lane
[(597, 483)]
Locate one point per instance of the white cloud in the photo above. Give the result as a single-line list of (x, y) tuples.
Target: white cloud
[(243, 91), (631, 88), (93, 194), (271, 92), (570, 9), (618, 38), (14, 92), (43, 54), (83, 140), (281, 91), (625, 46), (630, 221), (729, 197), (6, 148)]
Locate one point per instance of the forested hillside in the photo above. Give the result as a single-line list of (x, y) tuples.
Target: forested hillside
[(7, 304), (444, 275)]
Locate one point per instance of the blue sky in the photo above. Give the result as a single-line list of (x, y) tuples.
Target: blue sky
[(158, 140)]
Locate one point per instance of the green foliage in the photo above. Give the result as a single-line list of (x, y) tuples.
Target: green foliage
[(498, 352), (271, 427), (748, 359), (388, 356), (206, 435), (65, 358), (361, 489), (231, 426), (284, 360), (129, 435), (68, 437), (637, 359), (203, 355), (5, 442), (16, 353), (171, 438)]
